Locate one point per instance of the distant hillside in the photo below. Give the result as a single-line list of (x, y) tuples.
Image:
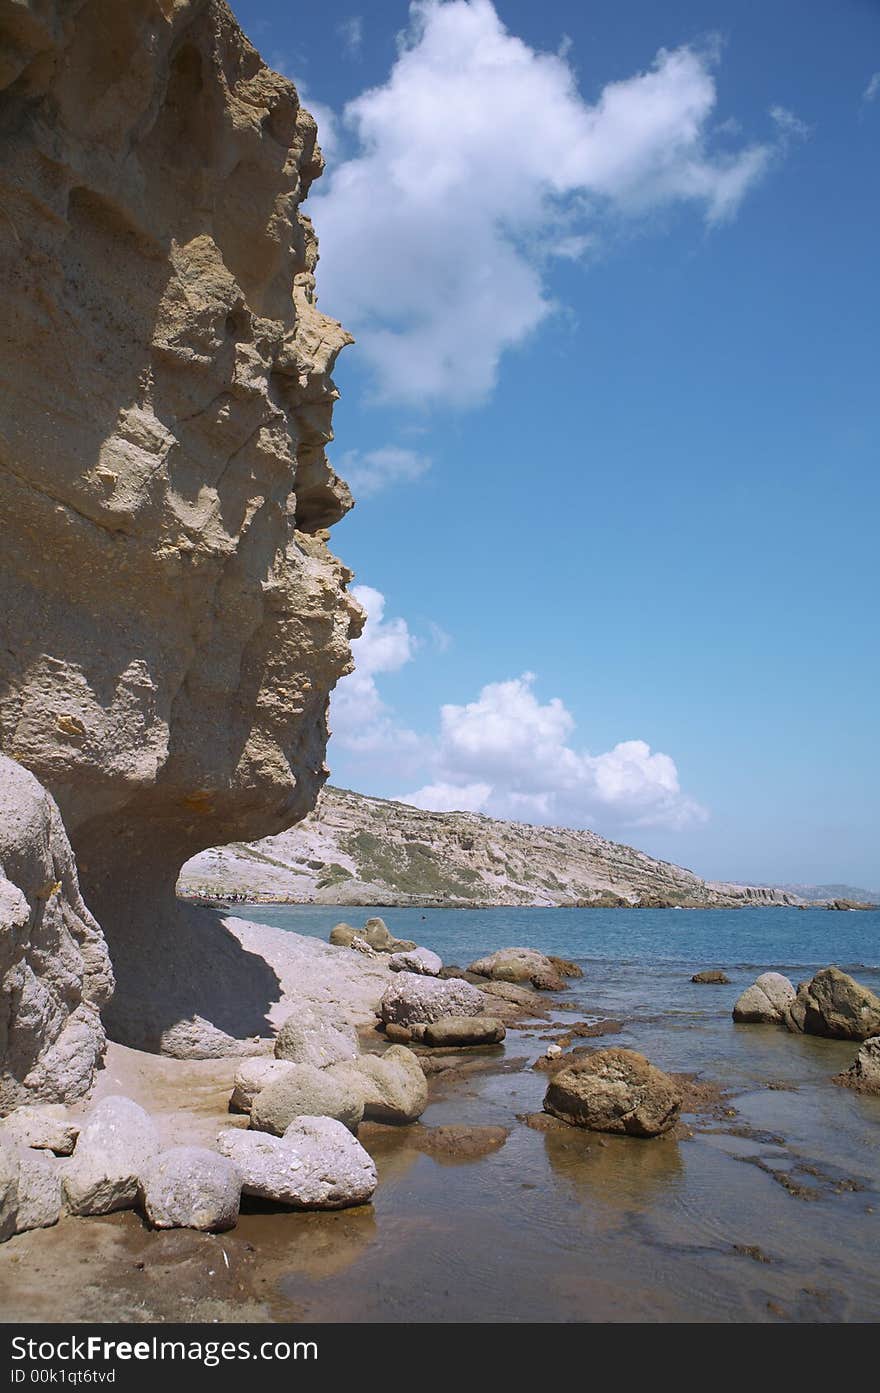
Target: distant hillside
[(356, 850), (823, 893)]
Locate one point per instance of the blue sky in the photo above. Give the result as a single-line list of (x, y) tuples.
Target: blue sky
[(612, 416)]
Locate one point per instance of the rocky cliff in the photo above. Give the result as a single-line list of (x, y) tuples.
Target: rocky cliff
[(172, 618), (354, 850)]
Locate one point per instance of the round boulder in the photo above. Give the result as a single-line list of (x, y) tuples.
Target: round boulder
[(465, 1030), (190, 1187), (419, 960), (615, 1090), (308, 1037), (304, 1091), (392, 1085), (765, 1001), (413, 998), (835, 1005), (252, 1076), (317, 1164)]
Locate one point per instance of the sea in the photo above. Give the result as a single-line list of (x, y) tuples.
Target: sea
[(769, 1211)]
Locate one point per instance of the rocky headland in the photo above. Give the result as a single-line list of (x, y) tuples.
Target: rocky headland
[(357, 850)]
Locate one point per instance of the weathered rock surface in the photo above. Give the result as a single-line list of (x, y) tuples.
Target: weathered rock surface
[(836, 1005), (173, 620), (864, 1072), (46, 1127), (309, 1037), (615, 1091), (304, 1091), (712, 976), (317, 1164), (357, 850), (392, 1086), (419, 960), (465, 1030), (39, 1190), (9, 1167), (375, 934), (765, 1001), (252, 1077), (54, 969), (112, 1151), (411, 999), (191, 1187), (520, 965)]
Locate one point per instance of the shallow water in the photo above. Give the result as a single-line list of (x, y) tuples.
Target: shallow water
[(576, 1227)]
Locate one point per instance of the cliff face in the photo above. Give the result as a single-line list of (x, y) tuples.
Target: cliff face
[(354, 850), (172, 618)]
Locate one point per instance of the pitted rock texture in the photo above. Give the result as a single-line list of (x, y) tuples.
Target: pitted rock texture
[(54, 970), (172, 618)]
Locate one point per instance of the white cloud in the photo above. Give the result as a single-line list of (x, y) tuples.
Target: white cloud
[(477, 160), (872, 91), (509, 755), (351, 32), (359, 718), (790, 127), (367, 473)]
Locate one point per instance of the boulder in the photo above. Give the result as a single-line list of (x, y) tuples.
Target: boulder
[(375, 934), (112, 1152), (565, 966), (418, 960), (615, 1090), (413, 998), (520, 965), (713, 976), (317, 1164), (864, 1072), (190, 1187), (308, 1037), (304, 1091), (392, 1085), (46, 1128), (465, 1030), (765, 1001), (39, 1190), (398, 1034), (836, 1005), (55, 973), (529, 1001), (251, 1077)]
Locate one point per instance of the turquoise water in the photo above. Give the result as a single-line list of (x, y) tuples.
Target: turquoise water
[(575, 1227), (761, 938)]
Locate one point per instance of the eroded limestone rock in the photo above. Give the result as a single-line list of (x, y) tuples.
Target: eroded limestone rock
[(304, 1091), (615, 1091), (412, 999), (191, 1187), (172, 618), (317, 1164), (113, 1150), (54, 970), (765, 1001), (836, 1005)]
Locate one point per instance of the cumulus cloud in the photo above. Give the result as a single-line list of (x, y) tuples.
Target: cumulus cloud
[(476, 163), (359, 717), (508, 754), (369, 472)]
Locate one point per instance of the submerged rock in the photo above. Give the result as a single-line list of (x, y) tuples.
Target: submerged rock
[(465, 1030), (304, 1091), (307, 1037), (765, 1001), (836, 1005), (317, 1164), (615, 1090), (191, 1187), (713, 976), (112, 1152), (412, 998), (864, 1072), (521, 965)]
